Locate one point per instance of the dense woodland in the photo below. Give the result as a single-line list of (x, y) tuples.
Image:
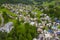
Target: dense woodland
[(25, 1)]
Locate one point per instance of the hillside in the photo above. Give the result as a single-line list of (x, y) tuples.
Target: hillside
[(29, 19)]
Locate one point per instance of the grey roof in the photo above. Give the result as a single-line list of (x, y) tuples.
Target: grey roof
[(7, 27)]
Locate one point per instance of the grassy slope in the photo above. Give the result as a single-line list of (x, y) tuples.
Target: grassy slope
[(7, 11)]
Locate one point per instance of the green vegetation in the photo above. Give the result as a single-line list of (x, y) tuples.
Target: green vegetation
[(20, 32), (5, 12), (25, 31), (37, 2), (2, 9), (0, 20), (53, 11)]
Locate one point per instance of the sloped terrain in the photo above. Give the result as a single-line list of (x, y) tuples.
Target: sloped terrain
[(19, 21)]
